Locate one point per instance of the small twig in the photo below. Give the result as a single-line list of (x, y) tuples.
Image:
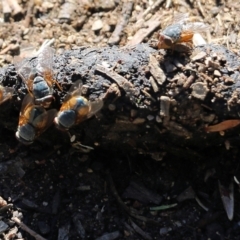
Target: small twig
[(29, 15), (10, 47), (27, 229), (153, 23), (150, 8), (201, 8), (140, 231), (121, 81), (126, 13), (5, 208), (168, 4)]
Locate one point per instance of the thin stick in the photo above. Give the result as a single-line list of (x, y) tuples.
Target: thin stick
[(152, 7), (168, 4), (27, 229), (126, 13), (201, 8), (29, 15), (153, 23)]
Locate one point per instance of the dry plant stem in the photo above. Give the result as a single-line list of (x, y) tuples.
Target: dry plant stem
[(15, 7), (201, 8), (126, 13), (168, 4), (150, 8), (29, 14), (121, 81), (8, 48), (152, 24), (5, 208), (27, 229), (140, 231)]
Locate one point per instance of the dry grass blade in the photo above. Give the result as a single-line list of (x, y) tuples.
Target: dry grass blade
[(227, 195), (225, 125)]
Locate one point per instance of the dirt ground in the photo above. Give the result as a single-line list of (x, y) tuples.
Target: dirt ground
[(60, 190)]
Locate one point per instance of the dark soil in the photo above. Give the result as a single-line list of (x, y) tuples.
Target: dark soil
[(148, 146)]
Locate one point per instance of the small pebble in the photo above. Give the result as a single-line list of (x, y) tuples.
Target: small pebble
[(150, 117), (164, 230), (217, 73), (73, 138), (158, 119), (199, 90), (71, 39), (112, 107), (199, 56), (3, 227), (97, 25)]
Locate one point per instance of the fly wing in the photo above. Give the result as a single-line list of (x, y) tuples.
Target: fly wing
[(27, 104), (5, 93), (45, 61), (74, 91), (23, 69), (195, 27), (180, 17), (22, 62), (44, 121), (95, 107)]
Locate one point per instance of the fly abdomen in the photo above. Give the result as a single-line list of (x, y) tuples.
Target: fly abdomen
[(65, 119)]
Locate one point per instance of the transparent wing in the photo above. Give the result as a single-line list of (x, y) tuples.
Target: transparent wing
[(27, 101), (195, 27), (75, 90), (180, 17), (44, 121), (45, 60), (23, 68), (27, 104), (5, 93), (22, 62), (95, 107)]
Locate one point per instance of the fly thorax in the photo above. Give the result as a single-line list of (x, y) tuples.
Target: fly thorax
[(174, 32), (40, 88), (80, 102), (33, 74)]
